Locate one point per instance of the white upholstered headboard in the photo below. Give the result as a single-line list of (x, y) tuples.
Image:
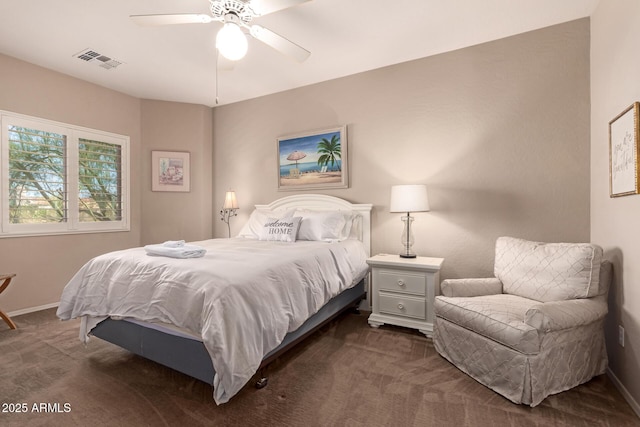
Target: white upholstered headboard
[(324, 202)]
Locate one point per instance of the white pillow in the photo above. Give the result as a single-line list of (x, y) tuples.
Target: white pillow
[(253, 228), (328, 226), (281, 229), (355, 227)]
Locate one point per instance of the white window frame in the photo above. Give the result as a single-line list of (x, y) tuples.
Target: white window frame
[(73, 133)]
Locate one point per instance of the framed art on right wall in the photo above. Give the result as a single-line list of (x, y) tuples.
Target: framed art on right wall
[(623, 152)]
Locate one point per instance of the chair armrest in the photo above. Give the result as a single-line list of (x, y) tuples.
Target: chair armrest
[(558, 315), (470, 287)]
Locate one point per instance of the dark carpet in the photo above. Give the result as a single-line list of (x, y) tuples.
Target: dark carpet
[(346, 374)]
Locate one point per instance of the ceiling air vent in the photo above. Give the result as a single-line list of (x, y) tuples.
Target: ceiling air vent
[(90, 55)]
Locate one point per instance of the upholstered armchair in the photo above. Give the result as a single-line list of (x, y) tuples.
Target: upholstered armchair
[(536, 328)]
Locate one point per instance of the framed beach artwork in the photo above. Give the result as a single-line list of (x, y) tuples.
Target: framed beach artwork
[(170, 171), (623, 152), (313, 160)]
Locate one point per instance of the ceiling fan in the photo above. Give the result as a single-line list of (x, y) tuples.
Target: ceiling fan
[(236, 15)]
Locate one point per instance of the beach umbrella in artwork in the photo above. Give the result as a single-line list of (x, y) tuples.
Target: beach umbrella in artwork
[(295, 156)]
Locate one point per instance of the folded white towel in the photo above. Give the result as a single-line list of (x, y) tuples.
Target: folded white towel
[(186, 251), (174, 243)]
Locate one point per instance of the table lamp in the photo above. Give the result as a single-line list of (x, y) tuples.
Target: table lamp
[(408, 198)]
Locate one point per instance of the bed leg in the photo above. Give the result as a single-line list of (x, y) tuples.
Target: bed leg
[(262, 382), (356, 308)]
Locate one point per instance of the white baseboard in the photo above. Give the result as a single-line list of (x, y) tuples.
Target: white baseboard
[(33, 309), (625, 393)]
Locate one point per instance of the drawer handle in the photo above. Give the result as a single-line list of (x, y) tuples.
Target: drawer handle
[(400, 306), (400, 282)]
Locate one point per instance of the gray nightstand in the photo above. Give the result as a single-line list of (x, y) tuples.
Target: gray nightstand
[(403, 291)]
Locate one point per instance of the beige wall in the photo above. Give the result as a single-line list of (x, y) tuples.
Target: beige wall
[(615, 84), (171, 126), (498, 132), (44, 264)]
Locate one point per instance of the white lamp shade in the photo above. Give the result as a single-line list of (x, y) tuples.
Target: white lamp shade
[(409, 198), (230, 201), (231, 42)]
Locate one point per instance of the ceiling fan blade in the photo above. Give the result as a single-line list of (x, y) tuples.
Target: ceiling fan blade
[(279, 43), (263, 7), (180, 18)]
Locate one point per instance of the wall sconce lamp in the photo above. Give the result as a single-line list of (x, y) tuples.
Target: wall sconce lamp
[(408, 198), (229, 208)]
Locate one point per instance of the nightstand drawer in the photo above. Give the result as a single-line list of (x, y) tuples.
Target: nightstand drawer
[(401, 281), (400, 305)]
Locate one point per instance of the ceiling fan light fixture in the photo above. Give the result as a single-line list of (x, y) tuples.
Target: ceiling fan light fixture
[(231, 42)]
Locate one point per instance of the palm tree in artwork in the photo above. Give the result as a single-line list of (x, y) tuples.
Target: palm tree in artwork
[(330, 151)]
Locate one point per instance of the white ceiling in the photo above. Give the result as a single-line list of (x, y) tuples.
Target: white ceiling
[(177, 62)]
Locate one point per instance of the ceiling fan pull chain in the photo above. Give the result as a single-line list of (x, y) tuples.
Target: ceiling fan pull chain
[(216, 79)]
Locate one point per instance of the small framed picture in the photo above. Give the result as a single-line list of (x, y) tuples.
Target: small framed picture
[(313, 160), (170, 171), (623, 152)]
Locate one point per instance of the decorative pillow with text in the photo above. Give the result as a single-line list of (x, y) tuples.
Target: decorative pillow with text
[(281, 229), (253, 228)]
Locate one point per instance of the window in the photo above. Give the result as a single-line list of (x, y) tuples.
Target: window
[(59, 178)]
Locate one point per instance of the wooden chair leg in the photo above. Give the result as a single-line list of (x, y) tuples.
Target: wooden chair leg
[(8, 320), (6, 279)]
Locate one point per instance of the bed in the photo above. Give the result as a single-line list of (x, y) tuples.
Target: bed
[(222, 317)]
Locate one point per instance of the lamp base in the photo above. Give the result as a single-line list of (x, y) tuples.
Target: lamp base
[(407, 237)]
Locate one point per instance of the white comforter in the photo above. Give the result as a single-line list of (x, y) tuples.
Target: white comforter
[(242, 297)]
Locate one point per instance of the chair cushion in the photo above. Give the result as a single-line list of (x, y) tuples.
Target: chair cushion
[(497, 317), (547, 271)]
